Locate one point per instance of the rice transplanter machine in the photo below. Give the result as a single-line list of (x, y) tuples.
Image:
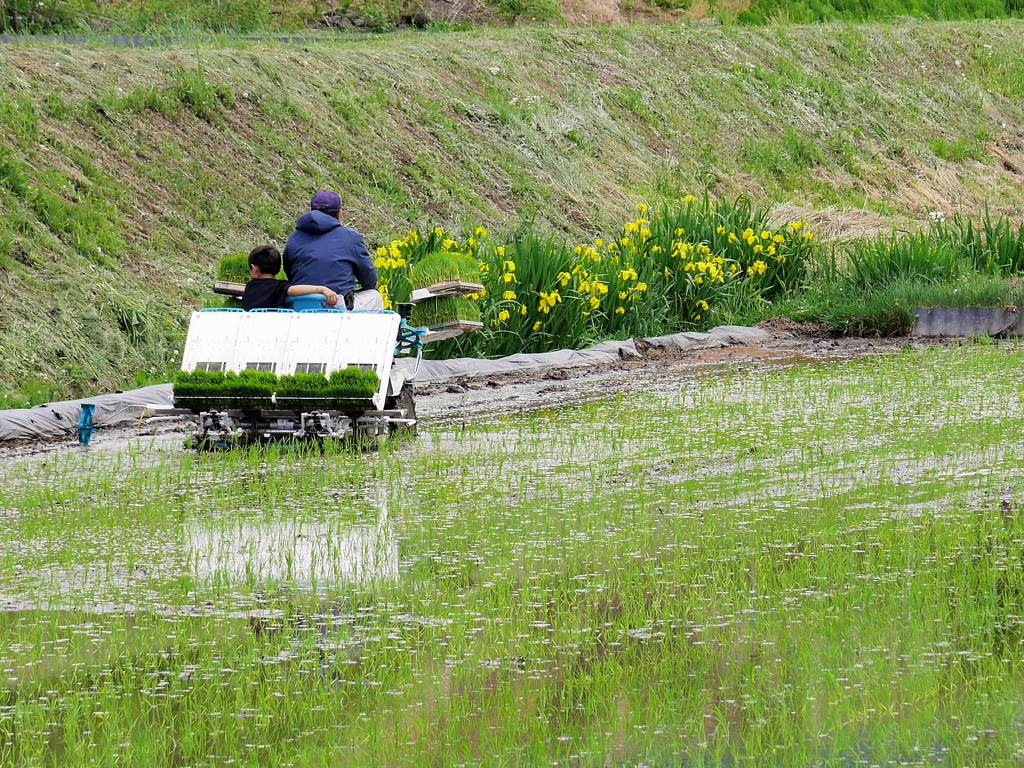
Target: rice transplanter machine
[(306, 339)]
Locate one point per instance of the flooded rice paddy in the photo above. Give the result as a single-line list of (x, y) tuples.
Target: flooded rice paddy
[(821, 564)]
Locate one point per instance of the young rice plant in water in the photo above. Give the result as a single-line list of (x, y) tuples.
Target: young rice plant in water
[(812, 565)]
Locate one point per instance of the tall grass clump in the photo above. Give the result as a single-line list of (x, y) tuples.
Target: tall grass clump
[(916, 257), (993, 246), (204, 98), (872, 287)]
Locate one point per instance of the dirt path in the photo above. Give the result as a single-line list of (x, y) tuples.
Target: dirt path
[(480, 398), (486, 398)]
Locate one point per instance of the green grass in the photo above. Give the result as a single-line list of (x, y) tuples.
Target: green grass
[(811, 565), (809, 11), (185, 19)]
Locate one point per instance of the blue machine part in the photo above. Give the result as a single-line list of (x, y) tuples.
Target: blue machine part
[(85, 427), (409, 339)]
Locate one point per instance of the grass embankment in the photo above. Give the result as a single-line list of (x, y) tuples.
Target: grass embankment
[(125, 175), (195, 17), (815, 565)]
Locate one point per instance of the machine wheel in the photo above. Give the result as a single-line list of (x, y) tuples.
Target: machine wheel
[(407, 402)]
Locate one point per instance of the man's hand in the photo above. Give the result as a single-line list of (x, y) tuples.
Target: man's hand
[(332, 297)]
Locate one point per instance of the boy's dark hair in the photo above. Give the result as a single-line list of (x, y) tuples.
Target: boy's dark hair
[(266, 259)]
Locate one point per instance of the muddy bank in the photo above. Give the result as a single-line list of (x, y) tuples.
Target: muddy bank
[(785, 343)]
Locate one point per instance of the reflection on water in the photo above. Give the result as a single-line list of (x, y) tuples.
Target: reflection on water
[(115, 570), (300, 551)]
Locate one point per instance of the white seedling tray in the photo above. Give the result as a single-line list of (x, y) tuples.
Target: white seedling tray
[(285, 341), (443, 290), (450, 330), (225, 288)]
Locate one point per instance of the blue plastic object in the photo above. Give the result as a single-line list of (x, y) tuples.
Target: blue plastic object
[(309, 301), (85, 427)]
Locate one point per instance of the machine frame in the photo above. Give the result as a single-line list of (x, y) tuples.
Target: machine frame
[(289, 341)]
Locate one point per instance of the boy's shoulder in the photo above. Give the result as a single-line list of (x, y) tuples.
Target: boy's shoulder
[(265, 293)]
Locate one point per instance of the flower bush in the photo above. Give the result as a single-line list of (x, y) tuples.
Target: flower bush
[(661, 272)]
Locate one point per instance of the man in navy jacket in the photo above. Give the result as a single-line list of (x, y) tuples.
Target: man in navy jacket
[(323, 252)]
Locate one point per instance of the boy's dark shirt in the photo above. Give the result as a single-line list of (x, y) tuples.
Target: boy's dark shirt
[(264, 293)]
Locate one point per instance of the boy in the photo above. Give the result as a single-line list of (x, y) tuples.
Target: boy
[(264, 292)]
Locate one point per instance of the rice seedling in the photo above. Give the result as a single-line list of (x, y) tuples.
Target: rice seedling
[(451, 309), (352, 382), (208, 390), (204, 388), (303, 391), (810, 564), (443, 267), (234, 268)]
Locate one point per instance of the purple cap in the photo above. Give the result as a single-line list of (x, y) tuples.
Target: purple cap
[(326, 201)]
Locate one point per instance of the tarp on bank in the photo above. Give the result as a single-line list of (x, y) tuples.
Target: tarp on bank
[(61, 419), (440, 371)]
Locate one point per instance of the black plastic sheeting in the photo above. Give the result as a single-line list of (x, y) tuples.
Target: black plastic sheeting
[(55, 420), (967, 321)]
